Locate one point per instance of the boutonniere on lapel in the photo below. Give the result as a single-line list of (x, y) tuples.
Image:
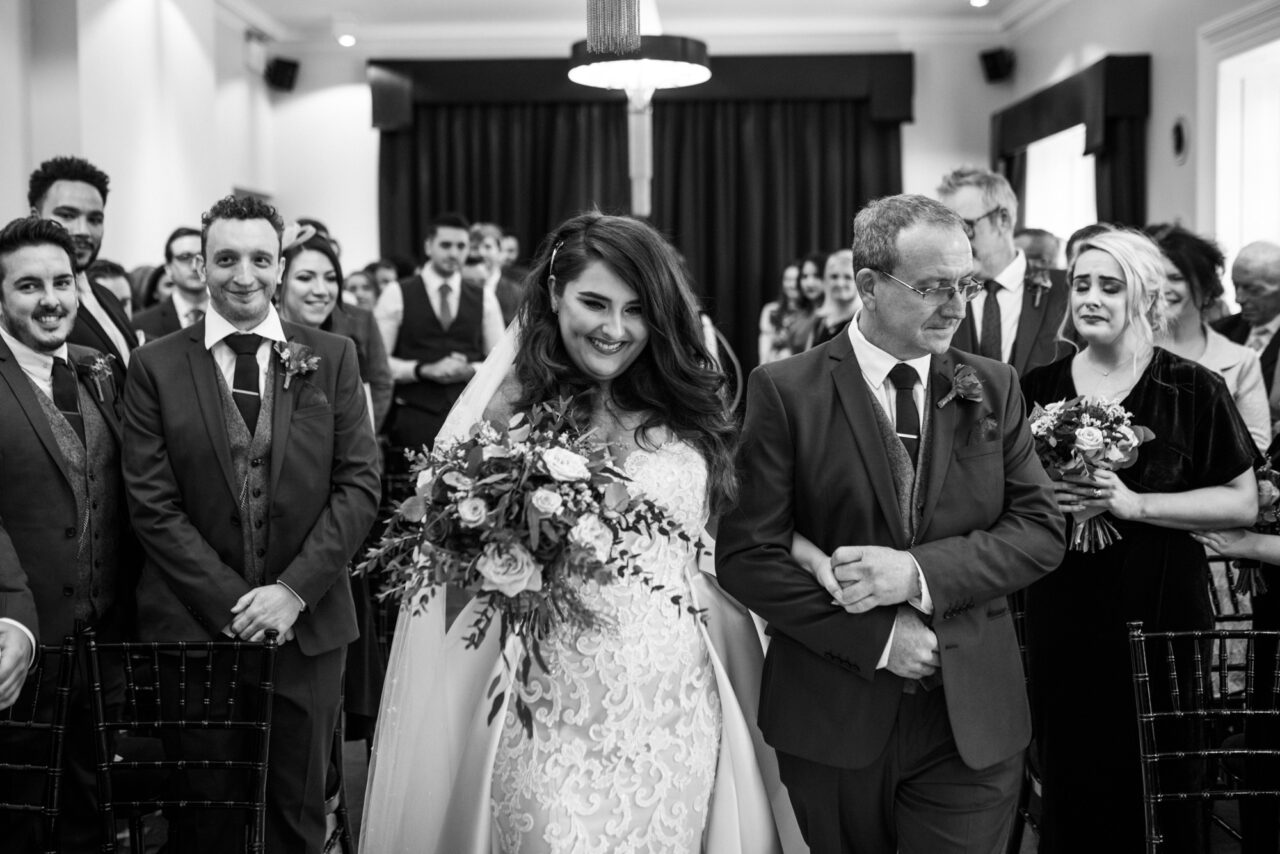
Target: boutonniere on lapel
[(1038, 280), (965, 384), (298, 359), (97, 369)]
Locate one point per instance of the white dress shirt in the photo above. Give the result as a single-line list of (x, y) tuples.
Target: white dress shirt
[(1009, 298), (389, 315), (183, 305), (89, 302), (876, 365), (39, 367), (217, 328)]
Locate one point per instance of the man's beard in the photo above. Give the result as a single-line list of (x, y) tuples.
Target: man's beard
[(93, 256)]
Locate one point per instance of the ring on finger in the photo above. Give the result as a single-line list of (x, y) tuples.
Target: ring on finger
[(1097, 493)]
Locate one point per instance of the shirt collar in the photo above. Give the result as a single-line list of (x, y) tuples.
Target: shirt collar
[(434, 280), (31, 361), (1011, 278), (183, 305), (876, 363), (217, 327), (1270, 326)]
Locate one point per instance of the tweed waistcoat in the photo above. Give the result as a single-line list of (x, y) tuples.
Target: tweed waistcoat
[(95, 481), (251, 459), (907, 478)]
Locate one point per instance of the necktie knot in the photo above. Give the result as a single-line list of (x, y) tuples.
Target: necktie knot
[(992, 286), (903, 377), (244, 345), (195, 316)]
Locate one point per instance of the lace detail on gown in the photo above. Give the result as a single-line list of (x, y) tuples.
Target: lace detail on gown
[(627, 726)]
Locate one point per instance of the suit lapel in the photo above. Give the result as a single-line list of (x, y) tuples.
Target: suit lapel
[(26, 397), (104, 341), (107, 402), (1269, 359), (205, 382), (1029, 323), (281, 415), (855, 400), (942, 431), (107, 300), (965, 334)]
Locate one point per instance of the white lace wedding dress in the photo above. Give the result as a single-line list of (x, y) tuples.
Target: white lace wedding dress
[(626, 722)]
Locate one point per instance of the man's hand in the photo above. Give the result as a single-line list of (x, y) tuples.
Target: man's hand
[(453, 368), (271, 607), (871, 576), (914, 652), (15, 658)]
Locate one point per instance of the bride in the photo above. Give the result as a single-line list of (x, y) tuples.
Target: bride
[(639, 739)]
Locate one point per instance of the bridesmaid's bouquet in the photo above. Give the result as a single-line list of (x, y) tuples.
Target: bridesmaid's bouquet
[(521, 515), (1077, 437)]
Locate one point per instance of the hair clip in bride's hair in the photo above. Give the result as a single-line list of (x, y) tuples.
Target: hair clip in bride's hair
[(551, 265)]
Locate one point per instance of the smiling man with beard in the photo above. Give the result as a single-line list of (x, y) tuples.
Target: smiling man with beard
[(73, 192), (66, 550)]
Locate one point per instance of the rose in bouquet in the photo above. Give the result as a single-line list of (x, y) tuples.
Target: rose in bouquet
[(1077, 437), (521, 515)]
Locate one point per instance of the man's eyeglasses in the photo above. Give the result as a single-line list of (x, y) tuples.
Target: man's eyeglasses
[(186, 257), (971, 224), (967, 288)]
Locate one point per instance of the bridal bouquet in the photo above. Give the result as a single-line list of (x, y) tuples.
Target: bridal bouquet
[(1075, 438), (521, 515)]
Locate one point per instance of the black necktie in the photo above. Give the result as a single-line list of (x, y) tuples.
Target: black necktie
[(244, 388), (446, 311), (66, 397), (990, 345), (904, 377)]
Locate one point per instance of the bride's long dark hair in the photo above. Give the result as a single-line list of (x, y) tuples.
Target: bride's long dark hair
[(674, 379)]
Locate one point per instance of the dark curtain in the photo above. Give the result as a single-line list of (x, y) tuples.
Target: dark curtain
[(526, 167), (744, 187), (1120, 173)]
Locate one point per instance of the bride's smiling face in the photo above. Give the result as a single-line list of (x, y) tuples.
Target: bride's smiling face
[(601, 323)]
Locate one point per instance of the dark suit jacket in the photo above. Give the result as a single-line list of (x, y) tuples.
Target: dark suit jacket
[(813, 462), (183, 491), (1237, 329), (1037, 341), (159, 320), (358, 324), (39, 522), (87, 332)]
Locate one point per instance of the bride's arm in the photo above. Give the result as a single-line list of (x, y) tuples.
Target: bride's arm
[(816, 561)]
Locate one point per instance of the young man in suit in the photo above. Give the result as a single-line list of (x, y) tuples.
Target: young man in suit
[(893, 689), (252, 474), (73, 192), (190, 298), (1015, 318), (66, 550)]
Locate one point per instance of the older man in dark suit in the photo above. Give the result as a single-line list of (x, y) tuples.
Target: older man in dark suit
[(252, 474), (893, 689), (66, 550), (73, 192)]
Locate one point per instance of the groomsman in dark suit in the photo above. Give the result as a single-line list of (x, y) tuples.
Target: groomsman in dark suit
[(1256, 277), (893, 689), (66, 549), (1015, 318), (252, 475), (73, 192), (190, 298)]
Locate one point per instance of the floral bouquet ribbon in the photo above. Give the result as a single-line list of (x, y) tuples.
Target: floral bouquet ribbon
[(1077, 437)]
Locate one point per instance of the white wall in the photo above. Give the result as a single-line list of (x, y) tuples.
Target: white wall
[(15, 106), (1076, 34)]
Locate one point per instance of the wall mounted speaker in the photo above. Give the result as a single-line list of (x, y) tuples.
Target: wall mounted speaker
[(281, 74), (997, 64)]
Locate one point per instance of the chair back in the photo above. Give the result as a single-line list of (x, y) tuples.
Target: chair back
[(1191, 700), (151, 695), (32, 735)]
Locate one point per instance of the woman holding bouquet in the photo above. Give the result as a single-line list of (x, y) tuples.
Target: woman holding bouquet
[(1196, 473), (626, 735)]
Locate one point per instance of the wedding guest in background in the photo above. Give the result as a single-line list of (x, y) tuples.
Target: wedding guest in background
[(1196, 473), (362, 289), (486, 242), (1192, 268), (67, 552), (1042, 248), (812, 267), (389, 271), (157, 288), (1080, 235), (511, 261), (250, 505), (1256, 276), (188, 300), (73, 192), (1015, 319), (111, 276), (783, 316), (321, 230), (841, 298)]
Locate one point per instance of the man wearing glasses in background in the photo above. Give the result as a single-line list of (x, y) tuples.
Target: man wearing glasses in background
[(190, 298), (1015, 317)]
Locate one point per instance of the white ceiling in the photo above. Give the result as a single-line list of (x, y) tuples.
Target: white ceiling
[(397, 22)]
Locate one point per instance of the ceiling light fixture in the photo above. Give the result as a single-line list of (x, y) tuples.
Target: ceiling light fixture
[(344, 30), (625, 49), (978, 4)]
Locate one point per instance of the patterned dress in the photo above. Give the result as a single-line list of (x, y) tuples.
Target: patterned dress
[(626, 726)]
